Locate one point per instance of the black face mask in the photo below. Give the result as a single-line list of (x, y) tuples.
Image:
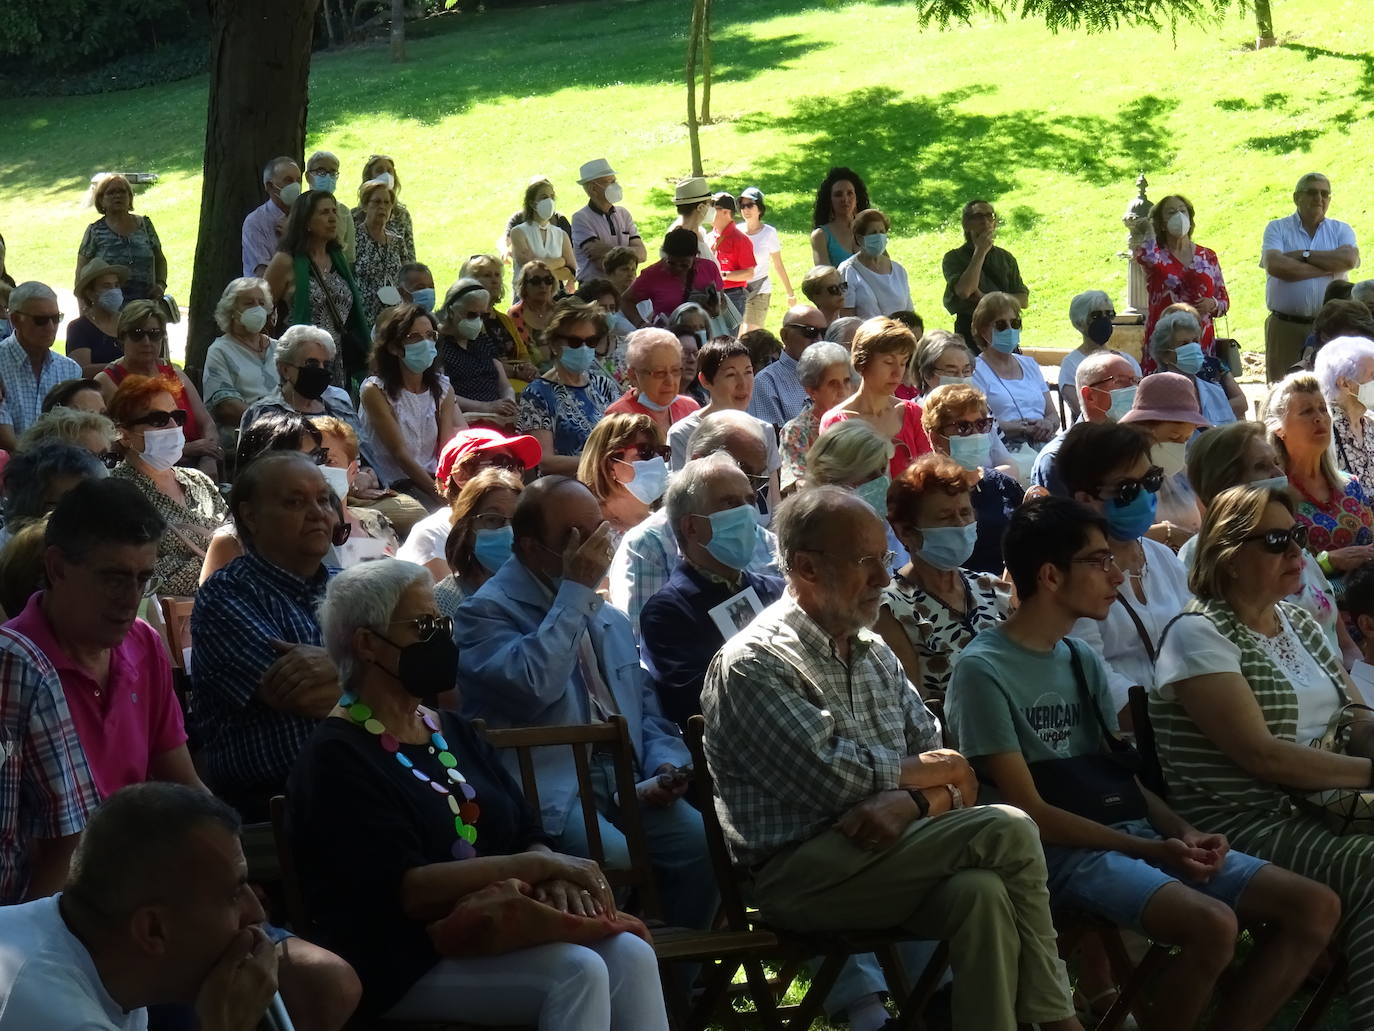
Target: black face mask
[(1100, 330), (427, 668), (311, 381)]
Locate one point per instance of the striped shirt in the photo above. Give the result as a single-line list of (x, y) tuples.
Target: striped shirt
[(796, 735), (24, 392), (46, 788)]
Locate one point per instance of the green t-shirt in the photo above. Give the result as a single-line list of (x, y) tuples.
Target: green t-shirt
[(1006, 698)]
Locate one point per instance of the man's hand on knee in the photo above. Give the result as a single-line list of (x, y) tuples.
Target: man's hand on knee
[(876, 822)]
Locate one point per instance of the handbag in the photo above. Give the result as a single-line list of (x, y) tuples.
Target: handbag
[(1342, 810), (505, 916), (1099, 787)]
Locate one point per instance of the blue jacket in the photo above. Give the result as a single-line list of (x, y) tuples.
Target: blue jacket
[(517, 667)]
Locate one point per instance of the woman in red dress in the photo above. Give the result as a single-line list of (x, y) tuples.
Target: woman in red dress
[(1176, 269)]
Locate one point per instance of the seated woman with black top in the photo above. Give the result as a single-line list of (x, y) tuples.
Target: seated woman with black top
[(399, 811)]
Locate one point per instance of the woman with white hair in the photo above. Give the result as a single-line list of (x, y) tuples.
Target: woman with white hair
[(828, 378), (497, 326), (472, 360), (303, 360), (1091, 314), (241, 365), (1175, 347), (389, 792), (90, 430), (1345, 372), (654, 369)]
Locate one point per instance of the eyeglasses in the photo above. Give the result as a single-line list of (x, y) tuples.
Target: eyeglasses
[(1317, 193), (1108, 314), (497, 460), (1128, 490), (968, 427), (1276, 542), (759, 481), (1129, 381), (644, 452), (1002, 325), (109, 459), (674, 373), (975, 216), (416, 338), (155, 335), (540, 280), (1103, 560), (747, 204), (834, 289), (43, 320), (490, 521), (883, 561), (160, 419), (810, 332), (572, 341), (427, 626)]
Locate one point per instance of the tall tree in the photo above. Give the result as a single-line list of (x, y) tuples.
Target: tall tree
[(398, 30), (694, 34), (259, 83), (1097, 15)]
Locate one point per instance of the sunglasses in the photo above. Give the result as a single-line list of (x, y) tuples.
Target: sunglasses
[(833, 291), (320, 456), (572, 341), (43, 320), (644, 452), (160, 419), (747, 204), (1276, 542), (1128, 490), (540, 280), (427, 626), (810, 332), (1002, 325), (109, 459), (155, 335), (968, 427)]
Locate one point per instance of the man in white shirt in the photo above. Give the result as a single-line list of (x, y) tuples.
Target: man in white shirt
[(262, 228), (1302, 254), (157, 910)]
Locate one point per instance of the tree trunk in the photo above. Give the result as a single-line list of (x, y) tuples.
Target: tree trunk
[(398, 30), (259, 83), (693, 48), (1264, 23), (706, 63), (329, 25)]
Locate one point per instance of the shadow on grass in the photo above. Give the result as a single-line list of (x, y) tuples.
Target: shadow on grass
[(1296, 141), (925, 157), (1365, 90)]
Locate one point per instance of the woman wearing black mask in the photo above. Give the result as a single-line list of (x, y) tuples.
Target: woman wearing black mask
[(389, 791), (305, 360), (1092, 315)]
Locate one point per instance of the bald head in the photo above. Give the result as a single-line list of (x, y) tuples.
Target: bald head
[(1096, 377), (801, 327), (738, 433)]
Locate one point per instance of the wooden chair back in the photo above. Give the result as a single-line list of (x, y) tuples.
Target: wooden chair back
[(703, 786)]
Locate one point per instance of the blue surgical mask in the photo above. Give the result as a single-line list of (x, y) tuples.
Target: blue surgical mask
[(651, 404), (1122, 400), (874, 244), (971, 452), (325, 182), (1189, 358), (577, 360), (651, 479), (1006, 340), (420, 355), (947, 547), (958, 381), (1129, 522), (493, 547), (874, 494), (111, 300), (424, 297), (1271, 483), (734, 535)]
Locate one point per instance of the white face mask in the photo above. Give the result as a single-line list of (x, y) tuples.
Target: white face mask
[(289, 193), (614, 194), (253, 319), (1169, 456), (385, 177), (1366, 394), (337, 480), (1179, 223), (544, 209), (162, 448)]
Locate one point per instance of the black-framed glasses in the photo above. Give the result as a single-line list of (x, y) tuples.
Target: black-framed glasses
[(968, 427), (644, 452), (109, 459), (43, 320), (1103, 560), (810, 332), (1312, 192), (571, 341), (1276, 542), (155, 335), (747, 204), (161, 419), (540, 280), (1002, 325), (1128, 490), (427, 625)]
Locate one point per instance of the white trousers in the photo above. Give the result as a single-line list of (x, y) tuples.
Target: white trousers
[(611, 985)]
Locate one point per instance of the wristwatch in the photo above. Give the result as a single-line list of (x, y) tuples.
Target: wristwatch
[(956, 797), (922, 803), (1306, 254)]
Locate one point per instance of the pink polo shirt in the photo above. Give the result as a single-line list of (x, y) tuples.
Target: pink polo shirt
[(133, 718), (678, 408)]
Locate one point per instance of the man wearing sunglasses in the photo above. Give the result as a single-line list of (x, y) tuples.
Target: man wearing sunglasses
[(1106, 384), (1033, 710), (778, 393), (29, 367)]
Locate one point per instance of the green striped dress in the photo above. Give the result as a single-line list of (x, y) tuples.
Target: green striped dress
[(1215, 794)]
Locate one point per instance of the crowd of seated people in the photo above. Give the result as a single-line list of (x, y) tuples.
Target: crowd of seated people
[(910, 604)]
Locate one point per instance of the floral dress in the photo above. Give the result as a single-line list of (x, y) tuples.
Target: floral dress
[(797, 437), (1356, 459), (569, 413), (181, 552), (137, 252), (1169, 281), (378, 265), (1343, 521)]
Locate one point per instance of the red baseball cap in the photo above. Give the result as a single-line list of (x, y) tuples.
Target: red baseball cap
[(524, 449)]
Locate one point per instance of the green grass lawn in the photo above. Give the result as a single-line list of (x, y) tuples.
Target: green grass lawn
[(1053, 129)]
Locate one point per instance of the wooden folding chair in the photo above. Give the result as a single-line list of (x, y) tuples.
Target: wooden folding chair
[(719, 952), (834, 948)]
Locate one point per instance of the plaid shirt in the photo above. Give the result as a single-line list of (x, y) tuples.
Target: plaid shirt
[(23, 401), (778, 394), (795, 736), (248, 746), (46, 789)]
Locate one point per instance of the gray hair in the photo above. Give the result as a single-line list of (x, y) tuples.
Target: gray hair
[(67, 425), (842, 331), (364, 595), (801, 520), (269, 170), (295, 339), (1162, 339), (850, 450), (688, 308), (931, 348), (1087, 301), (30, 291), (686, 493), (224, 309), (643, 342), (1363, 291), (467, 286), (715, 431), (817, 359), (1090, 369), (1276, 408), (321, 154), (1340, 359), (29, 473), (1308, 178)]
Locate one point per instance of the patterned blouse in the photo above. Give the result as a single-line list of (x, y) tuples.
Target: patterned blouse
[(471, 369), (182, 550), (533, 337), (398, 224), (797, 437), (377, 265), (1356, 459), (138, 252), (937, 632), (1343, 521), (1169, 281), (569, 413)]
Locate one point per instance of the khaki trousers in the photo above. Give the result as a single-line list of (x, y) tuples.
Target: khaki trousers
[(974, 878), (1283, 342)]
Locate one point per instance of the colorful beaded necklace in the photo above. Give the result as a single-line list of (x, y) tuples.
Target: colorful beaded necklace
[(461, 795)]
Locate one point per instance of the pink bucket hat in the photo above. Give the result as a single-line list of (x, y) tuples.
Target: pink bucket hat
[(1166, 397)]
